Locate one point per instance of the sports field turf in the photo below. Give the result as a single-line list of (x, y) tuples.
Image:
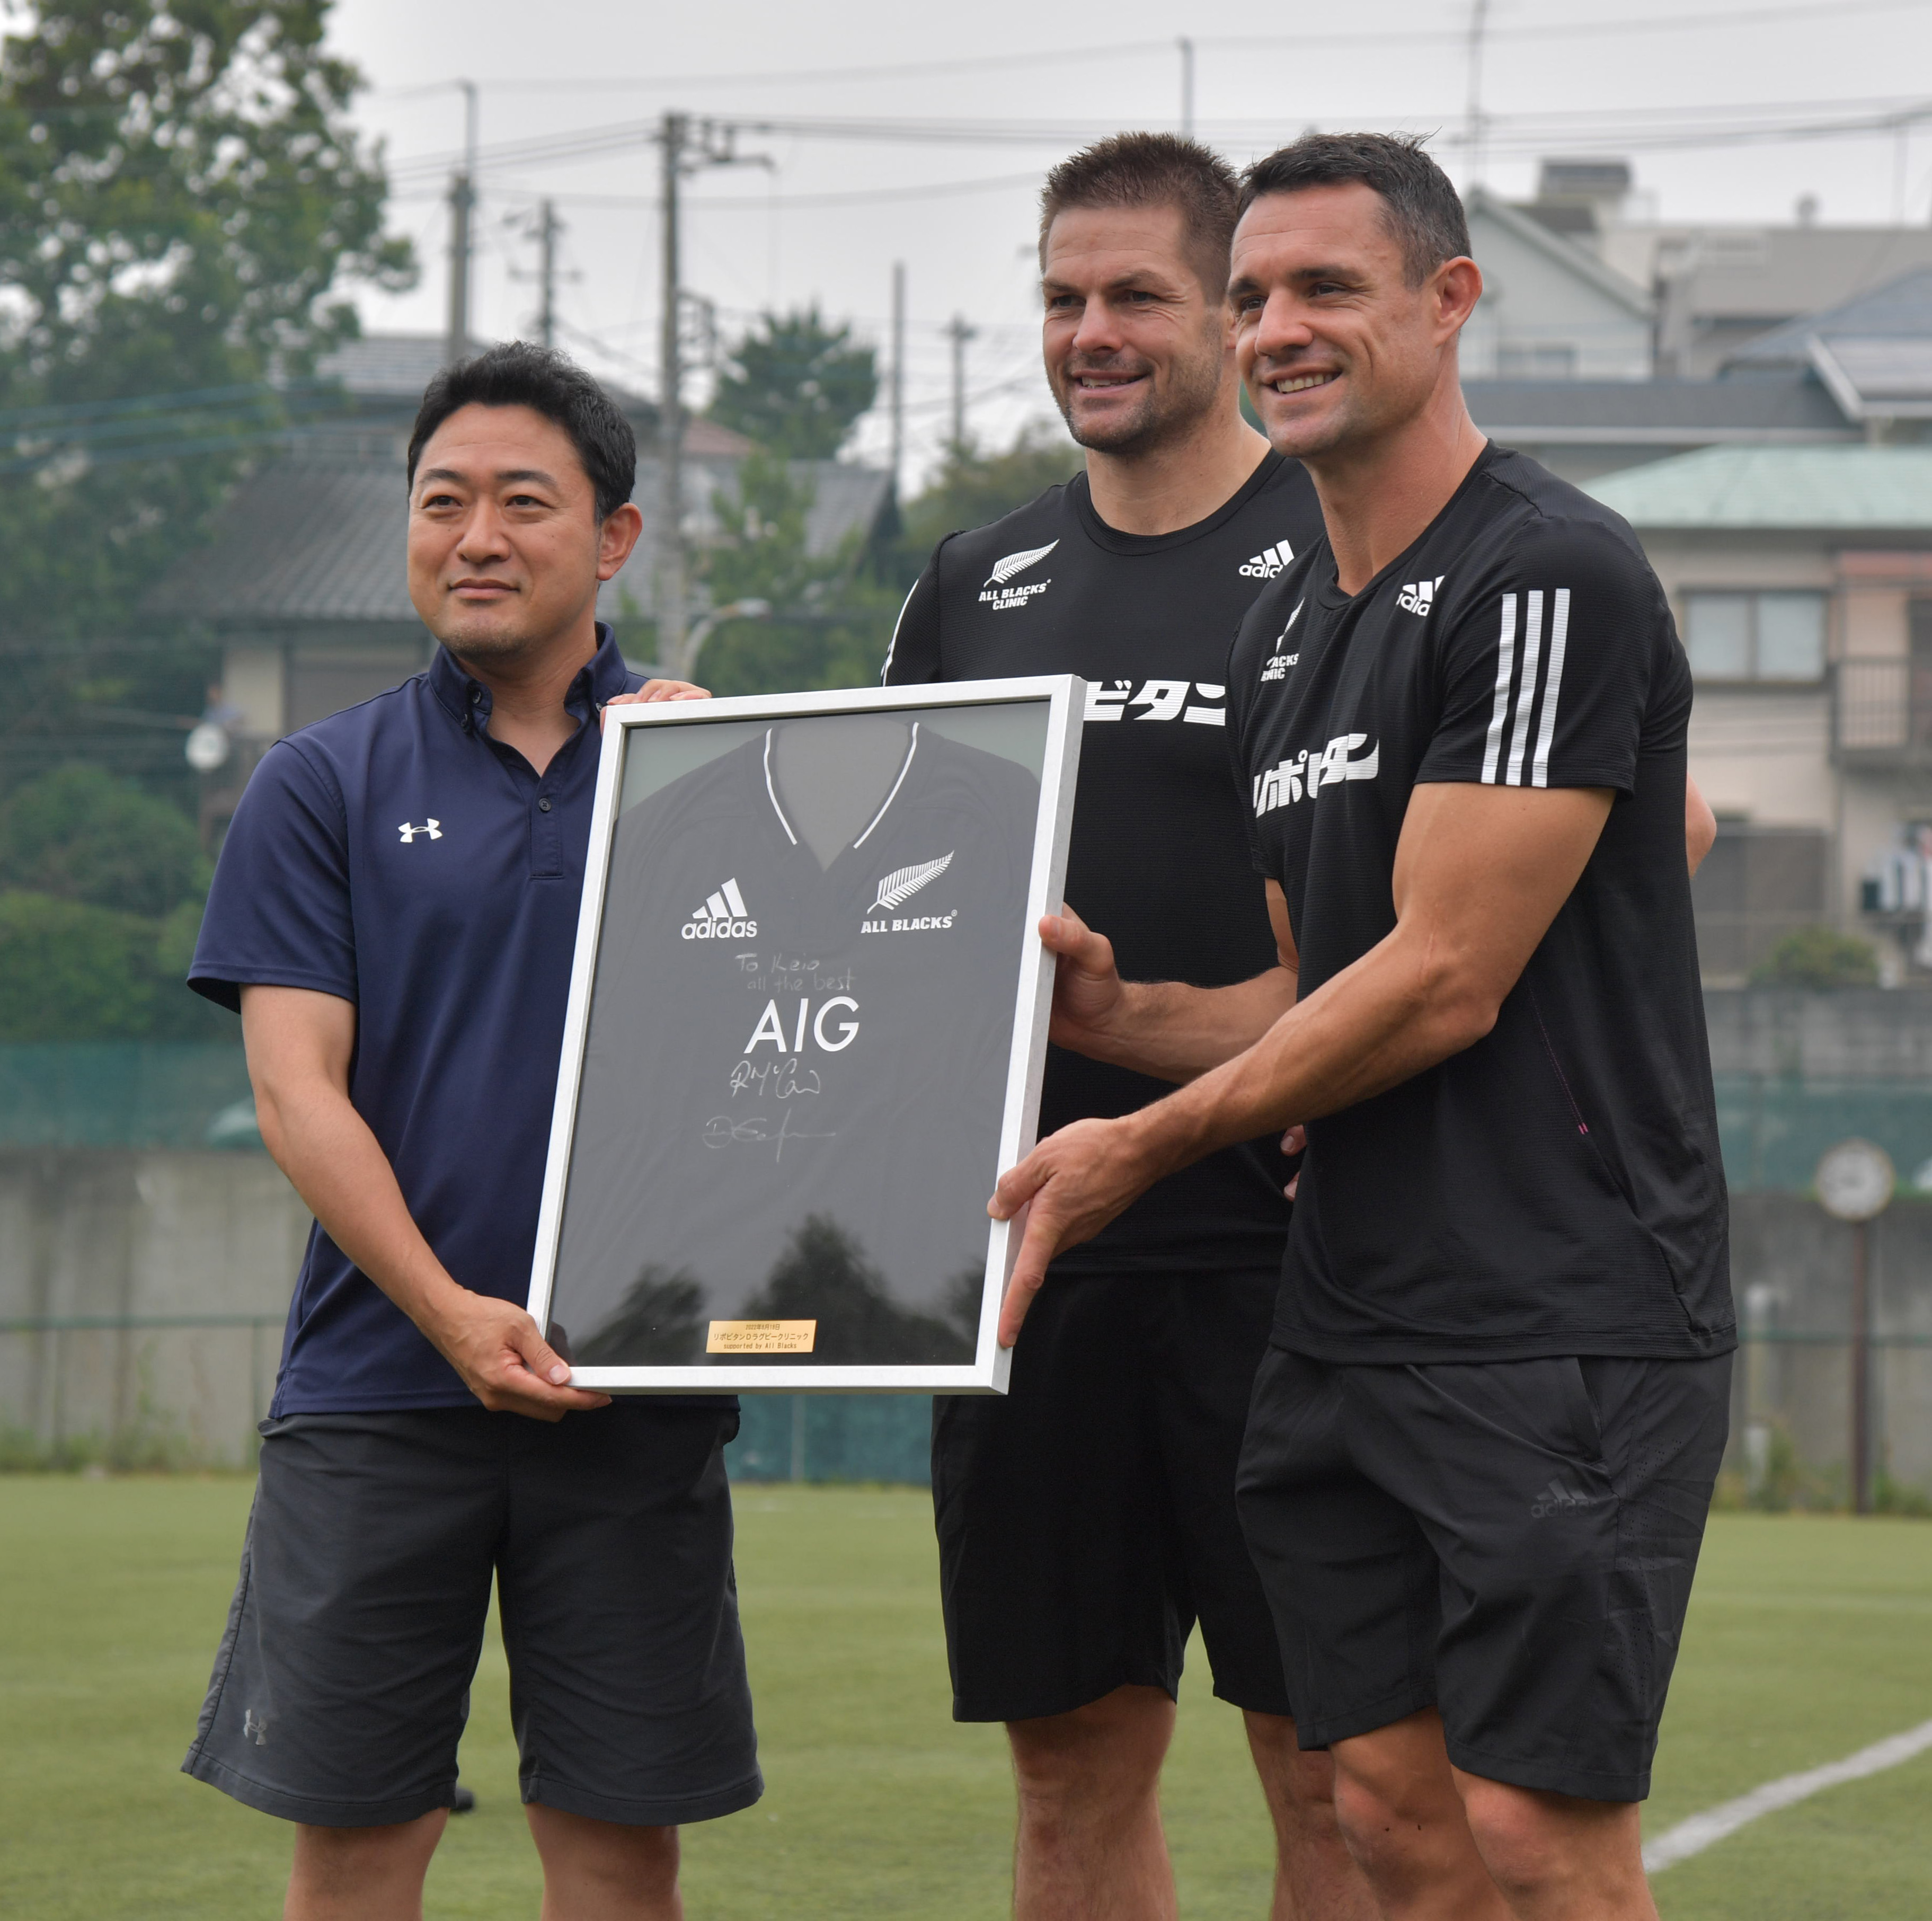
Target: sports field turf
[(1809, 1638)]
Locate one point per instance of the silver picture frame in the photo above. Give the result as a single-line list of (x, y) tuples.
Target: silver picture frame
[(947, 710)]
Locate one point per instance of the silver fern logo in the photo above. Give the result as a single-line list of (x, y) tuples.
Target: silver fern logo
[(1005, 569), (904, 882)]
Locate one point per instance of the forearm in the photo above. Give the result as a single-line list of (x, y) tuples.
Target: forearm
[(1399, 1010), (1174, 1032), (336, 1164)]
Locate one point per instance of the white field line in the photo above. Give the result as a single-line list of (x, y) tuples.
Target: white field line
[(1701, 1831)]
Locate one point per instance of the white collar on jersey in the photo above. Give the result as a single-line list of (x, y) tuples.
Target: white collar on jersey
[(905, 766)]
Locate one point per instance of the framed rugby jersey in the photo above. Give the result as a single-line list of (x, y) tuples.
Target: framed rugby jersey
[(807, 1029)]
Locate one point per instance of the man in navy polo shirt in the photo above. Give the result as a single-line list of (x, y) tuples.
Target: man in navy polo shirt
[(394, 914)]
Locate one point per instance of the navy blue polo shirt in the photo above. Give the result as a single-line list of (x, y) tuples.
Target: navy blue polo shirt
[(396, 855)]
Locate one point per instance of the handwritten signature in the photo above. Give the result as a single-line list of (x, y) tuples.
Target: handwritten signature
[(780, 1080), (756, 1130)]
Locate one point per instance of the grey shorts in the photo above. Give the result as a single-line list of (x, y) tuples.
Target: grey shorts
[(342, 1685)]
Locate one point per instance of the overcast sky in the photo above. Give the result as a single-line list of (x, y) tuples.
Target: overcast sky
[(1015, 86)]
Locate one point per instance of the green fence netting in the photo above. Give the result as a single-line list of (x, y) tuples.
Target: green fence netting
[(124, 1093), (833, 1437), (195, 1095)]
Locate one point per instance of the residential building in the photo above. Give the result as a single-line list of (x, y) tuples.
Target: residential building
[(1551, 310), (1801, 577), (1873, 356), (1582, 429), (304, 580)]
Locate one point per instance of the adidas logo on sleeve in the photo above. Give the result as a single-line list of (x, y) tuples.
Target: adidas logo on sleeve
[(1268, 562), (724, 916)]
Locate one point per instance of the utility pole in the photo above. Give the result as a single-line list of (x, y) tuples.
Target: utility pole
[(672, 589), (548, 227), (959, 333), (683, 151), (1186, 86), (462, 205), (1479, 20), (898, 389)]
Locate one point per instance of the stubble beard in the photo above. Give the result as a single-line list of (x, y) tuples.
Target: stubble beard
[(1161, 418)]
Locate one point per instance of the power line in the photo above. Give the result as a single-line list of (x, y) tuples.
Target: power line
[(1719, 126), (1608, 27), (766, 203)]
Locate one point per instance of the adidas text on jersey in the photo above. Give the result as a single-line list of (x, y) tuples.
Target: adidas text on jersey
[(1268, 562), (1418, 596), (724, 916)]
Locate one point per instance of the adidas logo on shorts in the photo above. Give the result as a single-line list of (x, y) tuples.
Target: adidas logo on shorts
[(724, 916), (1268, 562), (1558, 1500)]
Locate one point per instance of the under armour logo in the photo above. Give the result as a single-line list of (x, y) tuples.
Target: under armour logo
[(432, 828), (255, 1727)]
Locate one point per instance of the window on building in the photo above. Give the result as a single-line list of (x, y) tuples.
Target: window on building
[(1531, 360), (1755, 636), (1756, 885)]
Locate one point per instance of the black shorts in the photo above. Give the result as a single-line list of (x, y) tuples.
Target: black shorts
[(1511, 1541), (343, 1682), (1087, 1518)]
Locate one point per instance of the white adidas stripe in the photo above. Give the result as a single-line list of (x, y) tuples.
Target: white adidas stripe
[(1559, 633), (1505, 667), (1517, 699)]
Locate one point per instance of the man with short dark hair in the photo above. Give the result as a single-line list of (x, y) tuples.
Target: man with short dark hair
[(1086, 1520), (394, 914), (1483, 1443)]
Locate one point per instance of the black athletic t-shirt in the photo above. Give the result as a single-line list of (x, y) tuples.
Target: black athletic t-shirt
[(1156, 862), (812, 1061), (1556, 1188)]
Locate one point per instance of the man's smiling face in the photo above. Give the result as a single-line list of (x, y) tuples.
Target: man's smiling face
[(1134, 344), (1334, 342), (506, 547)]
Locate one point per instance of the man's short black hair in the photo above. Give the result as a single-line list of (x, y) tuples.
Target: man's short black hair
[(1423, 212), (521, 373)]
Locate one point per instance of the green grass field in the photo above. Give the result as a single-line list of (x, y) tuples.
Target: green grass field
[(1809, 1638)]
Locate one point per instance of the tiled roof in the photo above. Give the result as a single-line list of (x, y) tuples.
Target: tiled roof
[(1666, 412), (394, 368), (1828, 489), (1901, 309), (321, 540)]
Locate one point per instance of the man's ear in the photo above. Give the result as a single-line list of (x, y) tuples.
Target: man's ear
[(617, 537), (1456, 286)]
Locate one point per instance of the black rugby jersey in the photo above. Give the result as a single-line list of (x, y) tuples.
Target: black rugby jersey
[(812, 1062), (1156, 862), (1556, 1188)]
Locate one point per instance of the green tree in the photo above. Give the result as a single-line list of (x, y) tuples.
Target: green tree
[(832, 617), (182, 198), (101, 888), (1819, 958), (72, 972), (795, 385), (973, 488), (80, 834)]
